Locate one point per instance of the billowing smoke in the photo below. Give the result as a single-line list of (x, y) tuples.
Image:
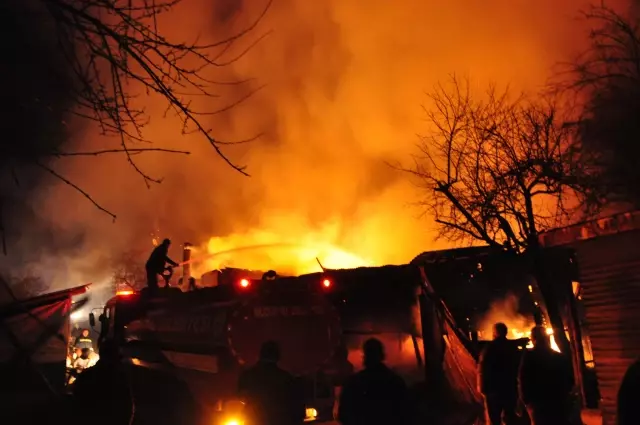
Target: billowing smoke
[(344, 85)]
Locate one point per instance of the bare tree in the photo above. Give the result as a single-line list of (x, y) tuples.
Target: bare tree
[(111, 44), (498, 170), (13, 289), (606, 78), (106, 56), (128, 271)]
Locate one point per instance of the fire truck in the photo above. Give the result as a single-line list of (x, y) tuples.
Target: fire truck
[(187, 349)]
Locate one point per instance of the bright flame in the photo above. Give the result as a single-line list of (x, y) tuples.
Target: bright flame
[(517, 334), (506, 311), (552, 339), (297, 250), (233, 422)]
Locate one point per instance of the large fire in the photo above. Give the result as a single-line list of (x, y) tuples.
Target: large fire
[(268, 251), (292, 245), (344, 85)]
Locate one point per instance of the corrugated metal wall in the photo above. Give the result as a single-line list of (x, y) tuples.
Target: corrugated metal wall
[(610, 278)]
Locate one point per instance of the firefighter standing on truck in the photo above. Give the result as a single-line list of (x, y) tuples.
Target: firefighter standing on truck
[(156, 264)]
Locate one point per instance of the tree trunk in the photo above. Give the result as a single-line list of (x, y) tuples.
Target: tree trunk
[(553, 293)]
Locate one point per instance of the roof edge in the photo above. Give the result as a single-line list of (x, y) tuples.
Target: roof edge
[(606, 226), (462, 253), (20, 306)]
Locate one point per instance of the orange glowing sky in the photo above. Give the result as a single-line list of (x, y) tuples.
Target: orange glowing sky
[(345, 84)]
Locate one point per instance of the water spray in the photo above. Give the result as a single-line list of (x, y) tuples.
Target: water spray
[(320, 247)]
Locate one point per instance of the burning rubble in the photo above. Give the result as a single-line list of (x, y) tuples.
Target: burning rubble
[(506, 310)]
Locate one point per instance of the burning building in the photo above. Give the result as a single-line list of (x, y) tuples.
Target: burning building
[(482, 287)]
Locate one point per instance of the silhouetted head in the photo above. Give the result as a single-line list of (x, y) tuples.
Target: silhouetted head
[(166, 242), (373, 351), (270, 275), (270, 352), (499, 330), (85, 333), (85, 353), (540, 338)]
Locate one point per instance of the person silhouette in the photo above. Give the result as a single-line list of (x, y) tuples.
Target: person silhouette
[(271, 393), (375, 395)]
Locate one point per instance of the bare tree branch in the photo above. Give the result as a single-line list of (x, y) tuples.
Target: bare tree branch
[(117, 55), (128, 270), (111, 43), (605, 77), (130, 151), (77, 188), (496, 170)]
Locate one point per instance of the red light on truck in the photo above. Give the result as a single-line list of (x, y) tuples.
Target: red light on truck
[(124, 293), (244, 283), (326, 283)]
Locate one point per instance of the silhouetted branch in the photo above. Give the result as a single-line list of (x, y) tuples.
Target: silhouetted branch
[(128, 269), (122, 38), (496, 170), (110, 56), (606, 78), (130, 151), (77, 188)]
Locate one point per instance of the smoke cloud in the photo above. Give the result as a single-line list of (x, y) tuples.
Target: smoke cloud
[(345, 82)]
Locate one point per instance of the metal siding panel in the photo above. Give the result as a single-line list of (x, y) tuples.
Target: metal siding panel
[(610, 278)]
